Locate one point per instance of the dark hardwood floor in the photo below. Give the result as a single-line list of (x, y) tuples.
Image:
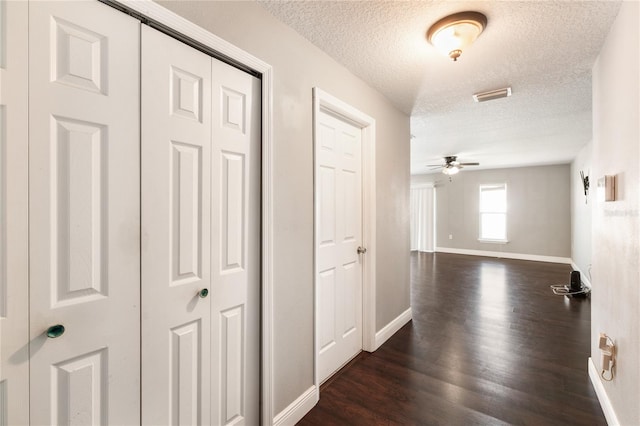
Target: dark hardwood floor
[(489, 344)]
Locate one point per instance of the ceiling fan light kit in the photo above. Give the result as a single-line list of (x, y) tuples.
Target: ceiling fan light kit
[(451, 165), (454, 33), (450, 170), (492, 94)]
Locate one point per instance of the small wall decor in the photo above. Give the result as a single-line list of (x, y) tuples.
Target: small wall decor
[(585, 185), (607, 188)]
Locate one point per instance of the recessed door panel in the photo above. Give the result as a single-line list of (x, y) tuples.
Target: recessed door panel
[(326, 302), (79, 176), (234, 109), (79, 56), (351, 193), (80, 388), (327, 205), (84, 194), (186, 94), (350, 294), (186, 374), (233, 226), (233, 359), (186, 205), (176, 167)]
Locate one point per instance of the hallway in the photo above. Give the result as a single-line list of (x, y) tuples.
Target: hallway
[(489, 344)]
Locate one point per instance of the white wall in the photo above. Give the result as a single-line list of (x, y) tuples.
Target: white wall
[(538, 206), (581, 212), (615, 301), (298, 67)]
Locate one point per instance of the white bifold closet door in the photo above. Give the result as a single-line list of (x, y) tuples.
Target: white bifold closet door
[(200, 237), (176, 160), (84, 197)]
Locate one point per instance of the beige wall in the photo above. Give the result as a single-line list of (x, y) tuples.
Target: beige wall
[(298, 67), (538, 206), (615, 301)]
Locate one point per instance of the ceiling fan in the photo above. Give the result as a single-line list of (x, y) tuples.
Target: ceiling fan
[(451, 165)]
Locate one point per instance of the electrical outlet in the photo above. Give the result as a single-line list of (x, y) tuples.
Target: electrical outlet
[(602, 343), (451, 236)]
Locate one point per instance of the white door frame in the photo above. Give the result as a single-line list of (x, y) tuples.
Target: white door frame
[(326, 102), (158, 13)]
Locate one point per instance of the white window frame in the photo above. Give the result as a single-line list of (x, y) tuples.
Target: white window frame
[(481, 212)]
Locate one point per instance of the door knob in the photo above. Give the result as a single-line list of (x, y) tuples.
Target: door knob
[(203, 293), (55, 331), (362, 250)]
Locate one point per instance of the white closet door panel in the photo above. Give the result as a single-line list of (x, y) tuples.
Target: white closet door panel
[(84, 170), (235, 246), (338, 235), (14, 266), (176, 164)]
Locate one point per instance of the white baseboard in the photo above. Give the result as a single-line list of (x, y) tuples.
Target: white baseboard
[(607, 408), (506, 255), (583, 277), (391, 328), (298, 408)]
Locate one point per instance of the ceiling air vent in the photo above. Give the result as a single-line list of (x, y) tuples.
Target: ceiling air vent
[(492, 94)]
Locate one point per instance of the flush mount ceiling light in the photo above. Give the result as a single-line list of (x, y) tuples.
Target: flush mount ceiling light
[(492, 94), (454, 33)]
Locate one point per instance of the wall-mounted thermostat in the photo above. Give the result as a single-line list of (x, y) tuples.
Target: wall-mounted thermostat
[(607, 188)]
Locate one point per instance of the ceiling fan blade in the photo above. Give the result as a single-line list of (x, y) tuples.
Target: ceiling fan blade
[(468, 164), (433, 166)]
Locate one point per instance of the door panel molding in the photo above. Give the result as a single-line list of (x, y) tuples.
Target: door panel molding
[(323, 101), (161, 15)]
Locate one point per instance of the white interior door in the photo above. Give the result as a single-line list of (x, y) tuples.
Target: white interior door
[(176, 163), (84, 197), (235, 246), (14, 235), (338, 190)]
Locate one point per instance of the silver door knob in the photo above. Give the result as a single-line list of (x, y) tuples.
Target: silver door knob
[(362, 250)]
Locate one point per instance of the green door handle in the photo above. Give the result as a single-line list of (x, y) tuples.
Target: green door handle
[(55, 331), (203, 293)]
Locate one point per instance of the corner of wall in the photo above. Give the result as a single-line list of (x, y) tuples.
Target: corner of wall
[(392, 328), (293, 413)]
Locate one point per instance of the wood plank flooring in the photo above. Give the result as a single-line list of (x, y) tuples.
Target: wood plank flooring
[(489, 344)]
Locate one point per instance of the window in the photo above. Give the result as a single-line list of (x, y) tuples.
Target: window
[(493, 212)]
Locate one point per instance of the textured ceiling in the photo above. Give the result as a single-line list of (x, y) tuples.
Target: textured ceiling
[(543, 50)]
